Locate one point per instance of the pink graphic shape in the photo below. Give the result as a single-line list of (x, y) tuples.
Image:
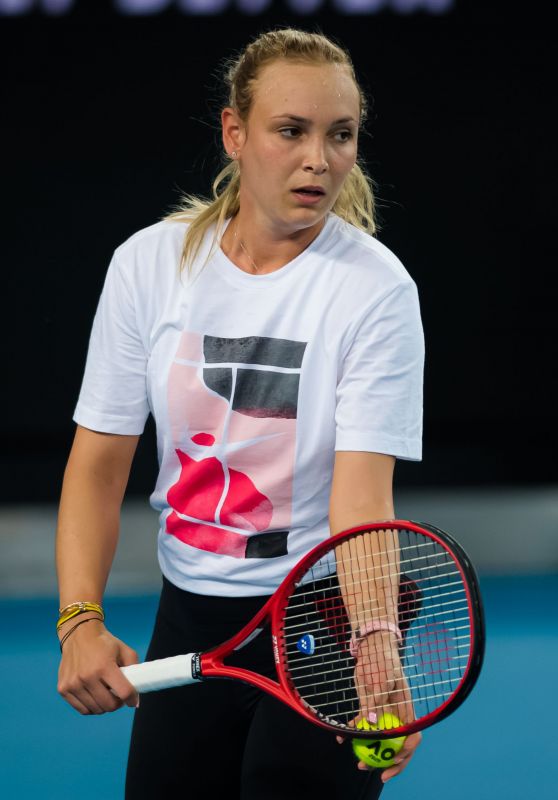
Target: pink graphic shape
[(192, 407), (244, 506), (207, 537), (190, 347), (272, 451)]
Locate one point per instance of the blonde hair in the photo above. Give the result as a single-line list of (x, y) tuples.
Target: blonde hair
[(355, 202)]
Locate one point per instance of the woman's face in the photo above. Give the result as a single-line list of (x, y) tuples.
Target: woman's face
[(302, 131)]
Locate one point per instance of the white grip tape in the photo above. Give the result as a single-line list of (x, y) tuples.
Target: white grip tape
[(163, 673)]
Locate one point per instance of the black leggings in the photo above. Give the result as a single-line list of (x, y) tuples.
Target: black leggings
[(226, 738)]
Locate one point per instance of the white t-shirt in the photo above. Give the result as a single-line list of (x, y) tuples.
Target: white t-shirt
[(253, 381)]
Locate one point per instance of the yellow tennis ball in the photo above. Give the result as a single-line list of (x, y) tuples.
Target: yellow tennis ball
[(376, 752), (387, 721)]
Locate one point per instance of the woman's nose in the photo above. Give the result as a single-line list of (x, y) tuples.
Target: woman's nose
[(316, 159)]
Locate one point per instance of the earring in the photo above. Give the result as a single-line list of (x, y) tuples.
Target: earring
[(234, 154)]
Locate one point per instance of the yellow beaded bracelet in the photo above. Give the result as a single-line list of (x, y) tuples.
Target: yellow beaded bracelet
[(75, 609), (78, 604)]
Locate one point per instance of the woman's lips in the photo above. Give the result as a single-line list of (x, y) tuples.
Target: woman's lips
[(308, 198)]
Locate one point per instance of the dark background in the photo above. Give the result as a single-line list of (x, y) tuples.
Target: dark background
[(107, 119)]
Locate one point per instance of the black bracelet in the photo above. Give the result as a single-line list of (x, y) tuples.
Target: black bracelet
[(69, 633)]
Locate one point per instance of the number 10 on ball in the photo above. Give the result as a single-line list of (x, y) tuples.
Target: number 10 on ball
[(374, 752)]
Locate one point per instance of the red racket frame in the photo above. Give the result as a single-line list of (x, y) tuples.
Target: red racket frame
[(212, 662)]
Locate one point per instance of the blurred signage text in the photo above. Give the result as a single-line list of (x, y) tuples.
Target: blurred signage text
[(213, 7)]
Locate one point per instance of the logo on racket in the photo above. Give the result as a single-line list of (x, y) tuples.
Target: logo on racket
[(306, 644)]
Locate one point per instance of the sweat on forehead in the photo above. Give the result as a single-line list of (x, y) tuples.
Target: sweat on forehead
[(284, 82)]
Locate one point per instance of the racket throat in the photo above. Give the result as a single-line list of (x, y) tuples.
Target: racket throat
[(250, 638)]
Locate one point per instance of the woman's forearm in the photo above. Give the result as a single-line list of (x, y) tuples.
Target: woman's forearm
[(86, 538), (368, 572), (98, 468), (89, 517), (368, 567)]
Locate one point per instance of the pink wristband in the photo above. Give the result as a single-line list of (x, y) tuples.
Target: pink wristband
[(370, 627)]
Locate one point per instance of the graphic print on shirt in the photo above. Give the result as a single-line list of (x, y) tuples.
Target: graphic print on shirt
[(232, 410)]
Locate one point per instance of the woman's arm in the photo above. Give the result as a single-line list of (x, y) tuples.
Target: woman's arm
[(362, 491), (87, 534)]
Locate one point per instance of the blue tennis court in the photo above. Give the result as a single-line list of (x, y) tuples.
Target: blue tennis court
[(48, 750)]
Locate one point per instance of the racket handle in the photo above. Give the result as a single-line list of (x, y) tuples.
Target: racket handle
[(164, 673)]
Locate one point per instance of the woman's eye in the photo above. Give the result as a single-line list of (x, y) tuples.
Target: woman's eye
[(292, 133), (288, 130)]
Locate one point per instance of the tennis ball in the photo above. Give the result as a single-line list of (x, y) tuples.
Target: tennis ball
[(374, 752), (388, 721)]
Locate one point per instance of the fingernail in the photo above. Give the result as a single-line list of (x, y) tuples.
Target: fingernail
[(372, 717), (137, 704)]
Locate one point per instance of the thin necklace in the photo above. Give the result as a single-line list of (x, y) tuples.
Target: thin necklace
[(244, 248)]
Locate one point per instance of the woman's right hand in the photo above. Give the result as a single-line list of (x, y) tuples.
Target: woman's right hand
[(89, 678), (379, 678)]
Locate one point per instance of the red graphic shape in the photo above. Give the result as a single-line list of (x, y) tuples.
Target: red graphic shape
[(244, 506), (207, 537), (204, 438), (198, 490)]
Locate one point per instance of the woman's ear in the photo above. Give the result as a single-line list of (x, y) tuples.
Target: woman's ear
[(233, 130)]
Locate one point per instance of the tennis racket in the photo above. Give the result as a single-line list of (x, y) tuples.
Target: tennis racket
[(384, 618)]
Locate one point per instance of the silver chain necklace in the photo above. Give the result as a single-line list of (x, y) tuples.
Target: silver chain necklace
[(241, 243)]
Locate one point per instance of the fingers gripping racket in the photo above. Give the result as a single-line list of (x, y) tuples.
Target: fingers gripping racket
[(381, 618)]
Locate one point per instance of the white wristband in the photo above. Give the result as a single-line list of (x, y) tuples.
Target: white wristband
[(371, 627)]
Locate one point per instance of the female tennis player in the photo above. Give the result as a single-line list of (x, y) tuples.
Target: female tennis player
[(279, 347)]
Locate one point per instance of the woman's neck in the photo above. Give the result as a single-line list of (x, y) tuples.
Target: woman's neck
[(260, 250)]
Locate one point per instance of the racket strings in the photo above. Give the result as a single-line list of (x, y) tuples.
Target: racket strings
[(405, 584), (426, 685), (336, 668), (435, 655), (393, 554), (401, 571), (370, 609), (408, 567), (399, 576), (407, 647)]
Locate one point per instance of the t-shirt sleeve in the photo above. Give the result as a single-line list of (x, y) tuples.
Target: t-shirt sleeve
[(379, 394), (113, 396)]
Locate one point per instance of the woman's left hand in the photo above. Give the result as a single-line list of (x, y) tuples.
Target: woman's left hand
[(401, 759)]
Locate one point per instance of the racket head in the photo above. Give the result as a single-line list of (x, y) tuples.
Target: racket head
[(440, 616)]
